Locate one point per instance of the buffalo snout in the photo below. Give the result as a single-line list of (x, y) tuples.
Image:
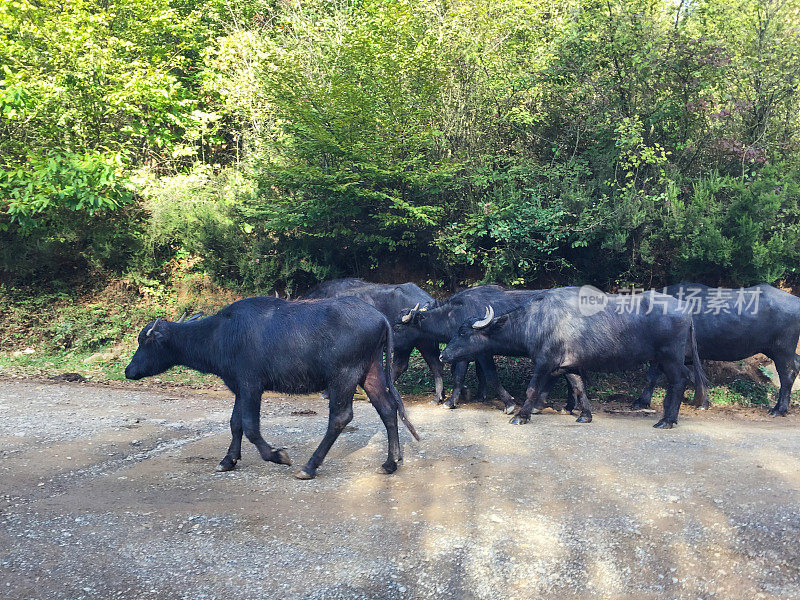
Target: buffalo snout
[(131, 372)]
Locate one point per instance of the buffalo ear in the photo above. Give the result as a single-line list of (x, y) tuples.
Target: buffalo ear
[(498, 321)]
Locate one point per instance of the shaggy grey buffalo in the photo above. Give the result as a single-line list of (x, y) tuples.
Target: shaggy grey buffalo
[(734, 324), (562, 333)]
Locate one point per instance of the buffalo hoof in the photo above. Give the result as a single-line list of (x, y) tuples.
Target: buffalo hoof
[(387, 468), (302, 474), (703, 406), (640, 404), (510, 408), (281, 457), (565, 411), (536, 411), (449, 404), (225, 465), (584, 419), (664, 424), (519, 420), (776, 412)]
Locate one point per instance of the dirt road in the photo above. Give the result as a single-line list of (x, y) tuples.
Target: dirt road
[(111, 493)]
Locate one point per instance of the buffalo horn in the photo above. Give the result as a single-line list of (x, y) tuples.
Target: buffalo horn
[(486, 319), (183, 318), (407, 318), (153, 328), (195, 316)]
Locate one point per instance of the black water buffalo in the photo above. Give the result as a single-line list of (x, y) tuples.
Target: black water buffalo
[(563, 334), (439, 321), (262, 344), (392, 301), (733, 324)]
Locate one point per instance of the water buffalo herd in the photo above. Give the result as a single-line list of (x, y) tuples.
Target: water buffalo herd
[(348, 332)]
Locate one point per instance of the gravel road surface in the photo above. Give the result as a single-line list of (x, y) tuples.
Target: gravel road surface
[(110, 492)]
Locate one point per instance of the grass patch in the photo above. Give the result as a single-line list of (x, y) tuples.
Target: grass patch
[(745, 393), (94, 332)]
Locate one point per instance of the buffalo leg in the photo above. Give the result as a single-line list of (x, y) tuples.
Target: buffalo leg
[(677, 375), (250, 404), (572, 397), (787, 372), (493, 383), (430, 353), (340, 413), (228, 463), (400, 362), (538, 402), (537, 392), (578, 391), (483, 390), (459, 370), (376, 387), (653, 375)]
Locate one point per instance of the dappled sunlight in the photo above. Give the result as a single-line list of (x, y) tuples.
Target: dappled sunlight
[(480, 508), (511, 507), (779, 463)]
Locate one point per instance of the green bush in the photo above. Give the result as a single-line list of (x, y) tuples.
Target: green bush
[(745, 228), (516, 231), (194, 215), (276, 144)]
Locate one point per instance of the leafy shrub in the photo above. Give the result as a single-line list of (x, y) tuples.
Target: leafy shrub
[(514, 231), (194, 215), (518, 142), (756, 393), (745, 228), (51, 182)]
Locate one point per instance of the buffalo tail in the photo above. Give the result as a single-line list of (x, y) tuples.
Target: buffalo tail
[(701, 382), (387, 370)]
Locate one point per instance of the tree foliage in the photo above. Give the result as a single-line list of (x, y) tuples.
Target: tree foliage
[(519, 141)]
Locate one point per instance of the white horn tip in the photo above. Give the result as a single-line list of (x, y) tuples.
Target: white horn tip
[(487, 318)]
